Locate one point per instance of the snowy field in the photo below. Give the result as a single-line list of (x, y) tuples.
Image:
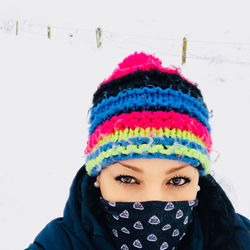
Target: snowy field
[(46, 88)]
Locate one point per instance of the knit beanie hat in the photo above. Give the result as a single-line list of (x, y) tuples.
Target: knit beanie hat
[(145, 110)]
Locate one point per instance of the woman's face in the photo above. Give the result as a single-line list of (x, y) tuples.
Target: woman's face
[(148, 179)]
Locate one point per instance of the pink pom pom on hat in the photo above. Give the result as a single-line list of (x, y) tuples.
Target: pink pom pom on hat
[(145, 110), (143, 62)]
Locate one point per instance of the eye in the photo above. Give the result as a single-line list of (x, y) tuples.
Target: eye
[(179, 181), (126, 179)]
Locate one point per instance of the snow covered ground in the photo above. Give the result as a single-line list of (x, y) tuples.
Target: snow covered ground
[(46, 89)]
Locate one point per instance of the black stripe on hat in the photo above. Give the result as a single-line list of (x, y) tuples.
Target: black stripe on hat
[(150, 79)]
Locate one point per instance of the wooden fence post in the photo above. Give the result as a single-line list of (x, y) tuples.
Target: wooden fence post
[(16, 28), (49, 32), (184, 51), (98, 37)]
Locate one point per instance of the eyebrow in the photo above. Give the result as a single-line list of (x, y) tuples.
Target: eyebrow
[(176, 169), (141, 171)]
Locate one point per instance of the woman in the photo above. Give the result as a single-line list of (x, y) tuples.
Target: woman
[(146, 182)]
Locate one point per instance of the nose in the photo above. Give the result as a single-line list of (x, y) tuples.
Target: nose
[(154, 193)]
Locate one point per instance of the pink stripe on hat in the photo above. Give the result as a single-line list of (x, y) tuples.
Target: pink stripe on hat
[(145, 119)]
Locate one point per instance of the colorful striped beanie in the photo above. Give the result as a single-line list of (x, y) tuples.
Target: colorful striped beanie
[(145, 110)]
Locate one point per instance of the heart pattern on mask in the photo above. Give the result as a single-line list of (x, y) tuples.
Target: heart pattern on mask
[(164, 246), (166, 227), (179, 214), (186, 220), (138, 205), (152, 237), (191, 203), (137, 244), (115, 217), (115, 232), (125, 230), (148, 225), (138, 225), (124, 247), (175, 232), (124, 214), (112, 203), (169, 206), (154, 220), (182, 236)]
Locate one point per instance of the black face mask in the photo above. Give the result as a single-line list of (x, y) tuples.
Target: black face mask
[(148, 225)]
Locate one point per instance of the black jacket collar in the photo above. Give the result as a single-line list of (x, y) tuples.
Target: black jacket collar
[(218, 219)]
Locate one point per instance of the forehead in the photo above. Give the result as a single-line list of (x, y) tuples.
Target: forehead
[(150, 165), (143, 162)]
